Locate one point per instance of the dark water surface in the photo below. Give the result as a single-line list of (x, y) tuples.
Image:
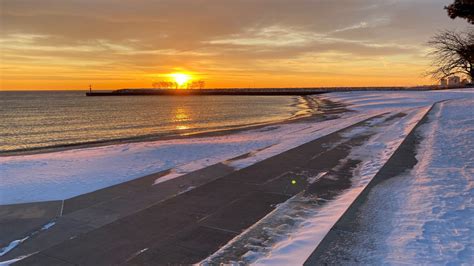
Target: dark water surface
[(34, 120)]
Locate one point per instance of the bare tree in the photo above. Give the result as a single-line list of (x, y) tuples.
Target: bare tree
[(462, 9), (165, 85), (199, 84), (453, 53)]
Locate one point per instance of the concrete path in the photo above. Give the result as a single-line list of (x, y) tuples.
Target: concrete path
[(186, 219), (335, 247), (20, 220), (90, 211)]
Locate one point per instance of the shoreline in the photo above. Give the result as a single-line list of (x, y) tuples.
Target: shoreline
[(206, 133), (328, 108)]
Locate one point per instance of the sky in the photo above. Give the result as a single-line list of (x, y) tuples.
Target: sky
[(111, 44)]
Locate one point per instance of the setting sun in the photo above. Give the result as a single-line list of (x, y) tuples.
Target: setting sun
[(180, 78)]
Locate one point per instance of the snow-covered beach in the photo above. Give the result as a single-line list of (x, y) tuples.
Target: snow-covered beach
[(435, 195), (61, 175)]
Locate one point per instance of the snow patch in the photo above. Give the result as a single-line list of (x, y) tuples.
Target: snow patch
[(9, 262), (12, 245), (17, 242)]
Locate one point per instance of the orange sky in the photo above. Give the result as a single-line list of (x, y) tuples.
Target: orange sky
[(55, 44)]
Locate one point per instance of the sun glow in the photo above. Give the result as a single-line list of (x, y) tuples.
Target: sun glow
[(180, 78)]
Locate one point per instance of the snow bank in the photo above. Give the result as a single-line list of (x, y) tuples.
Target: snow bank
[(365, 101), (428, 219)]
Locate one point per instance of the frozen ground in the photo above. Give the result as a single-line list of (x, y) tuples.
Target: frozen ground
[(288, 235)]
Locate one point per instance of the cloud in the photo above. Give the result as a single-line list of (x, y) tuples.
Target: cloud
[(216, 38)]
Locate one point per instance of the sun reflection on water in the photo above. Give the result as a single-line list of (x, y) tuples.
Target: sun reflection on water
[(181, 115), (182, 127)]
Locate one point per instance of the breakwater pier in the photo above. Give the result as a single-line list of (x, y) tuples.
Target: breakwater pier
[(244, 91)]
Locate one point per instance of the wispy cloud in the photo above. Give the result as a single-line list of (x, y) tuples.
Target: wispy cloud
[(228, 42)]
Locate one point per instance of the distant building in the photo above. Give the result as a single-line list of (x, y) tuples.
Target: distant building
[(465, 82), (454, 81), (443, 82)]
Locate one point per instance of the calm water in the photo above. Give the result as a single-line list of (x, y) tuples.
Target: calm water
[(31, 120)]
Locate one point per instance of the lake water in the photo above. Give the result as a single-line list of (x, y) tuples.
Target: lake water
[(35, 120)]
